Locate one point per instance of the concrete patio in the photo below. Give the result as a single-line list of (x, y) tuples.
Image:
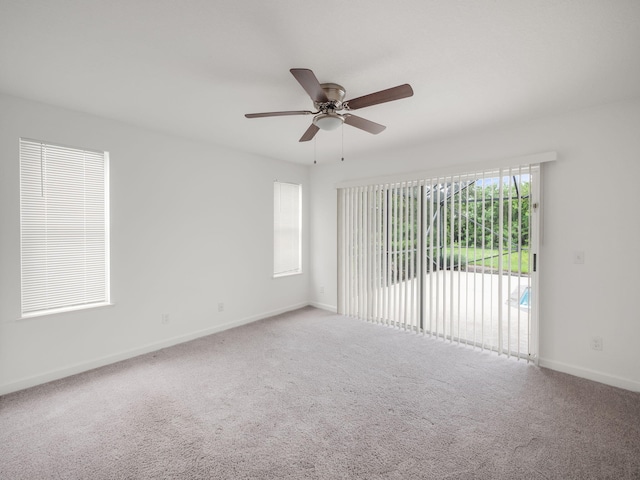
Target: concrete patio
[(464, 307)]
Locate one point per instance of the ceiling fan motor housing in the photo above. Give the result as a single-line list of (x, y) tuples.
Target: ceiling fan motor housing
[(335, 93), (328, 119)]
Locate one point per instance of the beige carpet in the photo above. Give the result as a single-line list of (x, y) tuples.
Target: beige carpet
[(314, 395)]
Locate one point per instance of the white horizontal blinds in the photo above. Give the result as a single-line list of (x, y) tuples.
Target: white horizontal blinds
[(287, 228), (64, 227), (446, 256)]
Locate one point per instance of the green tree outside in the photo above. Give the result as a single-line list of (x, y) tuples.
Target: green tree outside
[(462, 229)]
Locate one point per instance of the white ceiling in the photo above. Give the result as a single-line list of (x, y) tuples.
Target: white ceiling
[(195, 67)]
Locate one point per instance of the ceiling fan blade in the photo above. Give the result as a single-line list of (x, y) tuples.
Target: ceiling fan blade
[(310, 83), (278, 114), (388, 95), (310, 133), (363, 124)]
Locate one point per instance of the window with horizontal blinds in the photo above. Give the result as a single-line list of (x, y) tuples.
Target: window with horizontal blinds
[(287, 229), (64, 216), (450, 256)]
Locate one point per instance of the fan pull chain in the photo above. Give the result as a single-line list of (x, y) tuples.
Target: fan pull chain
[(315, 150), (342, 158)]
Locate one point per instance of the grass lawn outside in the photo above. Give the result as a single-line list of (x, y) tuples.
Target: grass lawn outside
[(519, 261)]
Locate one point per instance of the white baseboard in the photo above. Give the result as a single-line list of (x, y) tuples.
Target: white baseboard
[(324, 306), (57, 374), (151, 347), (589, 374)]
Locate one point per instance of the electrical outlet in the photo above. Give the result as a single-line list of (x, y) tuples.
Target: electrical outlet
[(321, 289), (165, 318), (596, 343), (221, 307)]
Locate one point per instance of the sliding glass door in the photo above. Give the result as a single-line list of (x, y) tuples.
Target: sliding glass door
[(453, 257)]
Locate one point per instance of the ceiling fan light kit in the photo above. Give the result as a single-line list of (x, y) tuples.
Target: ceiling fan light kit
[(328, 100), (328, 121)]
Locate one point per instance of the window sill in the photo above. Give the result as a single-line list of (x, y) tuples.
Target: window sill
[(28, 316), (287, 274)]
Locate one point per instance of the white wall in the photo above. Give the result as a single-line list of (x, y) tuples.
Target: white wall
[(590, 200), (191, 226)]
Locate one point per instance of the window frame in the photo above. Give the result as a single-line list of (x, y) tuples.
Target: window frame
[(96, 163), (298, 234)]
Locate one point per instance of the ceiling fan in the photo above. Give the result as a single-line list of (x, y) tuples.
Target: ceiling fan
[(328, 100)]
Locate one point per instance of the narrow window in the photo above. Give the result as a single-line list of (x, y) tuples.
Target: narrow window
[(64, 226), (287, 229)]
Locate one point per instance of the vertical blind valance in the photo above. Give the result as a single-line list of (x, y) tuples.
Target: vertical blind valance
[(64, 227)]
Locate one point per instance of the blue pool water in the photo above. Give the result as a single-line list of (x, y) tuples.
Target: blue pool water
[(524, 298)]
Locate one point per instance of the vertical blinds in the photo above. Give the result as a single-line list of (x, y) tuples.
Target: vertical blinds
[(287, 228), (64, 227), (450, 256)]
